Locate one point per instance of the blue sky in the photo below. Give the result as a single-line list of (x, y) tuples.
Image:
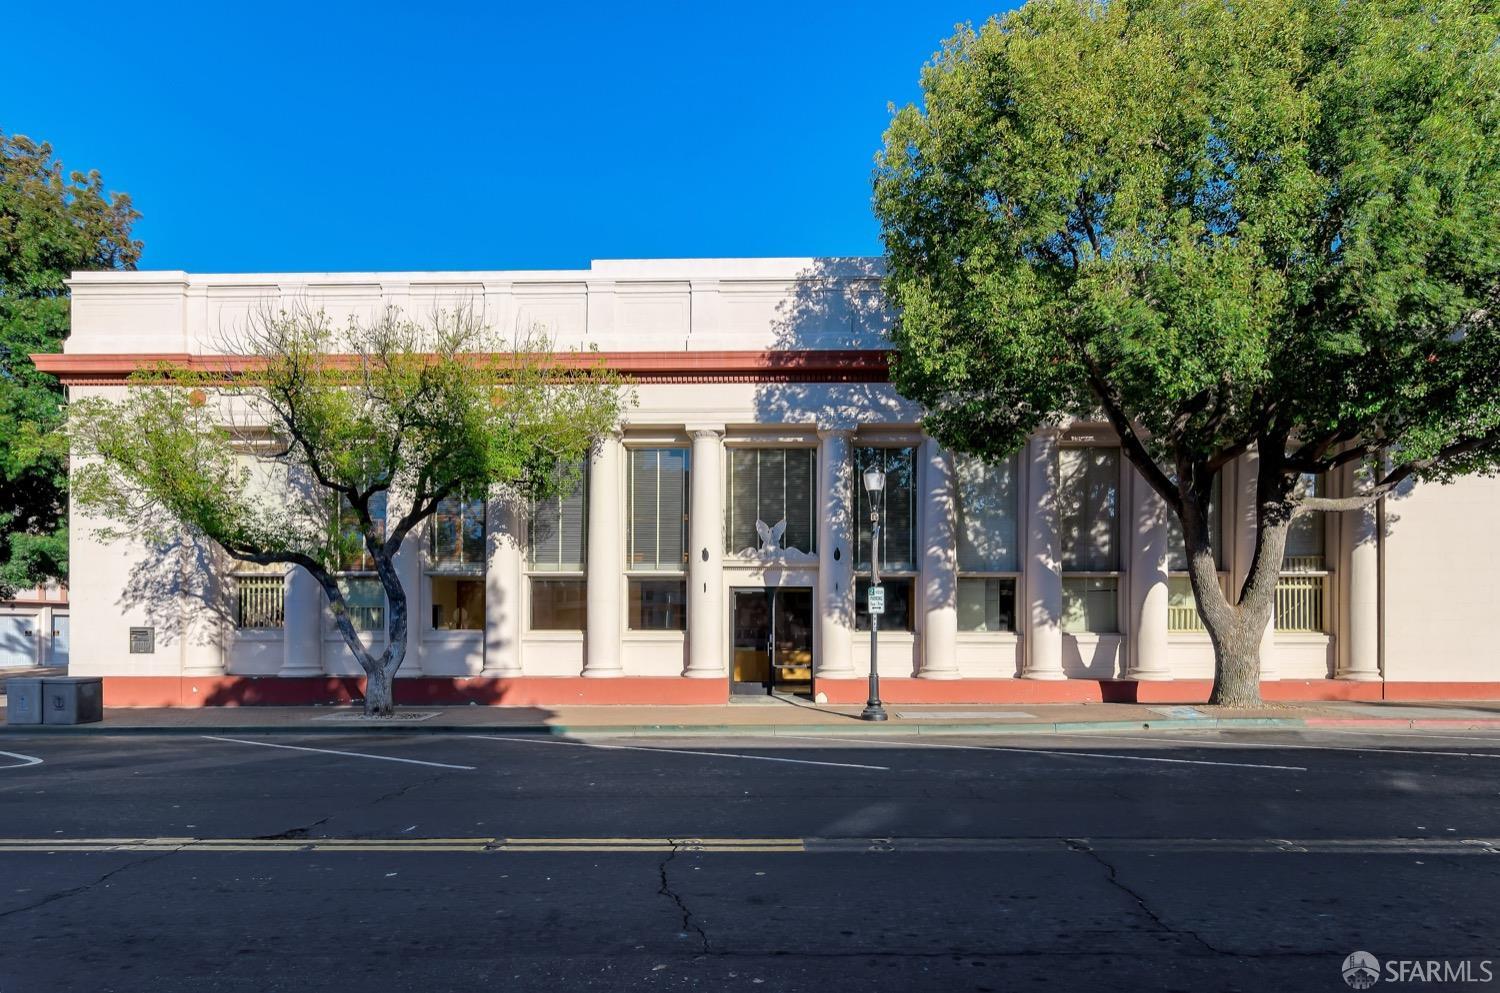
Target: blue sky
[(433, 136)]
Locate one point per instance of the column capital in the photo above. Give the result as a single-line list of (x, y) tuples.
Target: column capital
[(697, 431), (836, 430)]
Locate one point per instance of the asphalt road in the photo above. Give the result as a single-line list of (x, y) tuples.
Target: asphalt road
[(1173, 861)]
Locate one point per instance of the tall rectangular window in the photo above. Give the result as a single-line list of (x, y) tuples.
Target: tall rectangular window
[(769, 486), (657, 510), (556, 546), (354, 556), (986, 515), (456, 575), (1302, 591), (1088, 516), (1182, 605), (898, 544), (556, 537), (898, 539), (364, 596), (657, 542), (988, 557)]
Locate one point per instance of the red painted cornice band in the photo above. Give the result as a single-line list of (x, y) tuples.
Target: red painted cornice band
[(812, 366)]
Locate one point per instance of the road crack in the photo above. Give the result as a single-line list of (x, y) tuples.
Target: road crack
[(690, 923), (1083, 847), (74, 891)]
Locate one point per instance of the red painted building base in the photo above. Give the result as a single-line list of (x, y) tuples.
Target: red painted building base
[(548, 691), (526, 691), (916, 691)]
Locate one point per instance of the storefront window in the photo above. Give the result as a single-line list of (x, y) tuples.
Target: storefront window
[(898, 604), (559, 604), (986, 604), (658, 605), (457, 603)]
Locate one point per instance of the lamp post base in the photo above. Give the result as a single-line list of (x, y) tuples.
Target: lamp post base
[(873, 712)]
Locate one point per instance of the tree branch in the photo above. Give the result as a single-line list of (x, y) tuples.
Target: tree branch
[(1130, 440)]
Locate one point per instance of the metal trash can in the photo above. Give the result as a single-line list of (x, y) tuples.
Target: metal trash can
[(72, 700), (23, 700)]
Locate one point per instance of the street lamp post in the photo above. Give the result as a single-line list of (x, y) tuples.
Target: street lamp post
[(874, 485)]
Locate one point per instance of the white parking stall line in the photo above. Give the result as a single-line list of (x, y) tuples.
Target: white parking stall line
[(26, 760), (1222, 743), (679, 751), (1412, 734), (1066, 753), (330, 751)]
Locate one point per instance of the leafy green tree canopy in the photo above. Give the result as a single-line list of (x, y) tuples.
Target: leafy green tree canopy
[(1269, 225), (52, 223), (321, 444)]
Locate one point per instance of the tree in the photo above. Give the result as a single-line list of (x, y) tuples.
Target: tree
[(362, 432), (1269, 226), (51, 224)]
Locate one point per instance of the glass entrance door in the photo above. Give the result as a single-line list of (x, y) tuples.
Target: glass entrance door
[(771, 639)]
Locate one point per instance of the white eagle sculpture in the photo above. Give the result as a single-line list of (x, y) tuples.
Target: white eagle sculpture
[(770, 537)]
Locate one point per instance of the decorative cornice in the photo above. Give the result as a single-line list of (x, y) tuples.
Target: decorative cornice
[(811, 366)]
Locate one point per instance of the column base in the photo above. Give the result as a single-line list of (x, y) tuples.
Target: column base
[(704, 674), (299, 672), (1048, 674), (1359, 676), (501, 673), (602, 673), (848, 673), (939, 674), (1148, 675)]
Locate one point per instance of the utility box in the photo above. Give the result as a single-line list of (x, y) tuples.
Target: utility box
[(72, 700), (23, 700)]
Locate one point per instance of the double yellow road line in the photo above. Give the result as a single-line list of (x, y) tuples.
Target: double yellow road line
[(563, 845)]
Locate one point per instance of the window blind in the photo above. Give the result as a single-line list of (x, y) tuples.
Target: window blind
[(658, 509), (770, 485), (558, 531)]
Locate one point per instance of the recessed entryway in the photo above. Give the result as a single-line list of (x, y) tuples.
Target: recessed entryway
[(771, 639)]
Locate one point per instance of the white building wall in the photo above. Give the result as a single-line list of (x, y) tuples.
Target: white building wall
[(1438, 598), (1441, 596)]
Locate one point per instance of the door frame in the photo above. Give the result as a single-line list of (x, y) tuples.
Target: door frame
[(770, 592)]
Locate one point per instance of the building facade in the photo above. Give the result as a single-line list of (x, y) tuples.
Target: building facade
[(718, 542), (35, 628)]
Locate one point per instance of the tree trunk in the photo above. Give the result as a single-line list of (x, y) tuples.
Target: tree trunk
[(1236, 634), (1235, 625), (380, 698), (1237, 667)]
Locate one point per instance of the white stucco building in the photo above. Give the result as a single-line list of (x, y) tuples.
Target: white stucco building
[(762, 392)]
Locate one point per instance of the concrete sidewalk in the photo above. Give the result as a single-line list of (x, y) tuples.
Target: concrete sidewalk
[(785, 717)]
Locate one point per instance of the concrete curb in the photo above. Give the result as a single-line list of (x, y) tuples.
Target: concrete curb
[(854, 728)]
